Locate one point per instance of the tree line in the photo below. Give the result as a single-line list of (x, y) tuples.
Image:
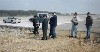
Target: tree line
[(23, 12)]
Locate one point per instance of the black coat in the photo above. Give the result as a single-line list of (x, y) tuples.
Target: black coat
[(45, 24), (89, 21), (35, 21), (53, 21)]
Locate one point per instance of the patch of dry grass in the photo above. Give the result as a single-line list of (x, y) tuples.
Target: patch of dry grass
[(31, 43)]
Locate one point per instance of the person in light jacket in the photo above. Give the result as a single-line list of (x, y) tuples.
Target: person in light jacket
[(74, 26)]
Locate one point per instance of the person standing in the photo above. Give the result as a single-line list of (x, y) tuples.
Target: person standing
[(53, 24), (35, 24), (40, 18), (74, 26), (89, 22), (50, 27), (44, 27)]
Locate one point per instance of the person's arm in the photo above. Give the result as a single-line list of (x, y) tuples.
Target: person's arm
[(46, 23), (76, 21), (86, 21), (92, 20), (72, 19), (50, 21), (56, 20)]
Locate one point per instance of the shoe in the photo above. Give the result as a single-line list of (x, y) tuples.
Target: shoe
[(88, 37), (70, 36), (34, 32), (75, 36), (53, 37), (49, 35), (85, 38), (42, 39)]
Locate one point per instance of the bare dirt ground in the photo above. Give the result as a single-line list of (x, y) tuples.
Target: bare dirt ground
[(29, 42)]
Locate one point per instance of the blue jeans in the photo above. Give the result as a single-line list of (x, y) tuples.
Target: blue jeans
[(52, 31), (74, 30), (88, 31)]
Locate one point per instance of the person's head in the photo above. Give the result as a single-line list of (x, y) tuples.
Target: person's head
[(35, 16), (44, 16), (75, 14), (53, 14), (40, 15), (88, 14)]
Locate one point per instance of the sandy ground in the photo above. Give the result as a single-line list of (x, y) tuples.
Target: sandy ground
[(25, 41)]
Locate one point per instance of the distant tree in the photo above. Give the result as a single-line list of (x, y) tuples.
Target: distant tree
[(23, 13)]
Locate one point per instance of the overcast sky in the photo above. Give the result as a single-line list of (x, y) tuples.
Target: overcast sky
[(63, 6)]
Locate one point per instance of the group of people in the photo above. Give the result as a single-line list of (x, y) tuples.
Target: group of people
[(44, 20), (53, 23), (89, 22)]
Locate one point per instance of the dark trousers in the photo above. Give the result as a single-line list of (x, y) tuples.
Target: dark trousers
[(35, 30), (44, 35), (52, 31), (88, 31)]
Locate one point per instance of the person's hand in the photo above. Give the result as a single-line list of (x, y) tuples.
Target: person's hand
[(71, 20)]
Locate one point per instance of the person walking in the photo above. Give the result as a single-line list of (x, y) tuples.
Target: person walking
[(44, 27), (89, 22), (74, 26), (53, 24)]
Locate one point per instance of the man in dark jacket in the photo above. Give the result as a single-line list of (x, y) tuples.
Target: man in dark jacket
[(53, 24), (44, 27), (35, 24), (89, 22)]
